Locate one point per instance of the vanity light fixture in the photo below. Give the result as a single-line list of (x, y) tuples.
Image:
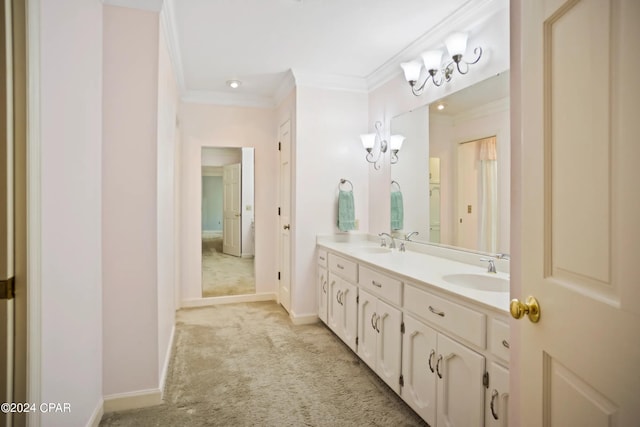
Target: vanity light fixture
[(234, 84), (437, 72), (369, 144)]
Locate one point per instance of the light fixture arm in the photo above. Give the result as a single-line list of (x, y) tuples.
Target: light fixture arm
[(375, 158), (457, 60)]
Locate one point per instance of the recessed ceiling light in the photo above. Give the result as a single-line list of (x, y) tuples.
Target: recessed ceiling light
[(440, 106), (234, 84)]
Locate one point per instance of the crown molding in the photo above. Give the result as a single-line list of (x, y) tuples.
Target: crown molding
[(168, 25), (330, 81), (151, 5), (287, 84), (227, 99), (465, 18)]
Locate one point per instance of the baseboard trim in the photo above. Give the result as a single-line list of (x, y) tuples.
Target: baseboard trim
[(167, 359), (132, 400), (210, 234), (306, 319), (203, 302), (96, 417)]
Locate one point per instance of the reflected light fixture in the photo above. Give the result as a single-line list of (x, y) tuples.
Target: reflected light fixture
[(437, 72), (369, 144), (234, 84)]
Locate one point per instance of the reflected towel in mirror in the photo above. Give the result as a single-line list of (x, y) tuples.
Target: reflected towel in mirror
[(397, 211), (346, 211)]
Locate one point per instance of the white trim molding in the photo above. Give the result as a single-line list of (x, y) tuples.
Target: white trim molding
[(306, 319), (151, 5), (330, 81), (168, 25), (167, 360), (34, 213), (205, 302), (132, 400), (96, 417)]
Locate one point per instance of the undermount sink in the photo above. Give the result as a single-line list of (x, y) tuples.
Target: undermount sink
[(373, 250), (480, 282)]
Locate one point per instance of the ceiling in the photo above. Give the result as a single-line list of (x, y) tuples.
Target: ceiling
[(259, 41)]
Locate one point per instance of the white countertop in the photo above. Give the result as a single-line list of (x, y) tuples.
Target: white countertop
[(421, 269)]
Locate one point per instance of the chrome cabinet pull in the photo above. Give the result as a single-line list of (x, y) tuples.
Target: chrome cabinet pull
[(376, 284), (494, 394), (438, 367), (434, 311), (372, 319), (431, 355), (340, 266), (377, 320), (505, 343), (339, 297), (321, 258)]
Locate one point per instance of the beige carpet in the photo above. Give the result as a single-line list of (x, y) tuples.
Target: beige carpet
[(247, 365), (224, 274)]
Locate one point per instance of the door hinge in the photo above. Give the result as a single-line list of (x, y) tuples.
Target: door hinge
[(356, 340), (279, 146), (485, 380), (7, 288), (357, 299), (278, 210), (278, 275), (402, 328), (401, 380)]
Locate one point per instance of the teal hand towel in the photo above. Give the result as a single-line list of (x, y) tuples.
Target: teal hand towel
[(346, 211), (397, 211)]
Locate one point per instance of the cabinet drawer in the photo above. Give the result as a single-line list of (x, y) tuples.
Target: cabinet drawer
[(344, 268), (381, 285), (322, 257), (499, 339), (455, 318)]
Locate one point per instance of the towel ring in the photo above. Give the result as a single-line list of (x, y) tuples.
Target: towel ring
[(342, 181), (396, 183)]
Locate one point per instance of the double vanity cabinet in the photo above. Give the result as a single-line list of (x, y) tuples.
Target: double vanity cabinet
[(445, 353)]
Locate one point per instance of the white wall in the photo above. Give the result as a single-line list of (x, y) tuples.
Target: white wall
[(327, 148), (71, 140), (395, 97), (166, 194), (130, 201), (218, 126)]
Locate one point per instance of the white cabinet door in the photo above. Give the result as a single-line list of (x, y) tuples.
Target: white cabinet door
[(388, 320), (334, 312), (349, 317), (367, 333), (460, 389), (342, 310), (419, 355), (497, 400), (323, 290)]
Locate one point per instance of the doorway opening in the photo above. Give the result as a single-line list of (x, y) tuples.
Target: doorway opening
[(227, 226)]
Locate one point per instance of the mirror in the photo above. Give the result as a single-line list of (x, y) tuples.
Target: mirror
[(454, 169), (228, 229)]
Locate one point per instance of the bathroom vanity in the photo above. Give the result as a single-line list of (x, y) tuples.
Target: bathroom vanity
[(430, 321)]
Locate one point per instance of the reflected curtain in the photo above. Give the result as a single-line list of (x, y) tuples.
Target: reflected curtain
[(488, 195)]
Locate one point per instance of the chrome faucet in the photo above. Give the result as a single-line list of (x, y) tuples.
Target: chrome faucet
[(383, 243), (407, 237), (492, 264)]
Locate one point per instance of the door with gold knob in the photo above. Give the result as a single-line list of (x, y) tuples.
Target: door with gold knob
[(575, 105)]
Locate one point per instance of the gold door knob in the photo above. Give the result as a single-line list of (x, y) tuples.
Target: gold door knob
[(530, 307)]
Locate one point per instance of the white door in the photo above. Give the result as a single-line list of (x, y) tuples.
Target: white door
[(284, 291), (467, 189), (580, 235), (231, 207)]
